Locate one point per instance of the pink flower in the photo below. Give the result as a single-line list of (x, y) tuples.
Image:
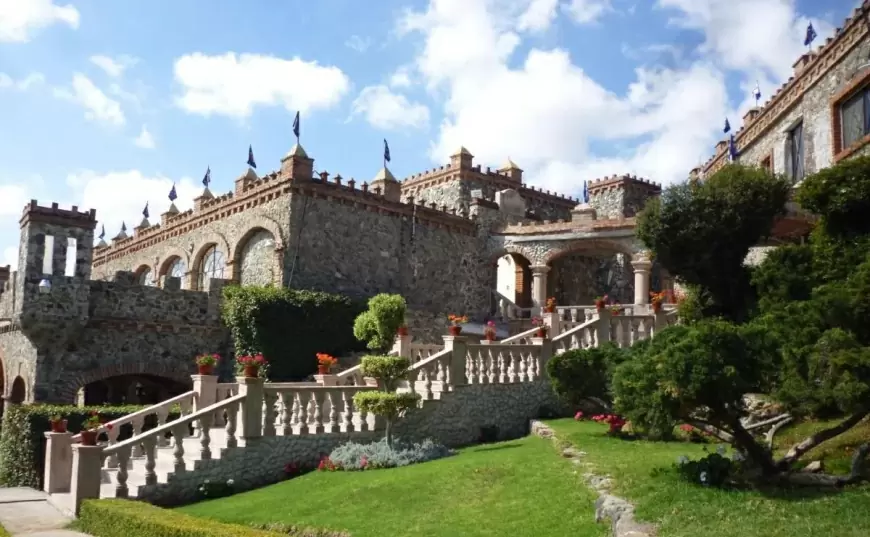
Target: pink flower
[(578, 416)]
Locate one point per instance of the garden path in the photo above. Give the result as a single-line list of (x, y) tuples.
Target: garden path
[(25, 512)]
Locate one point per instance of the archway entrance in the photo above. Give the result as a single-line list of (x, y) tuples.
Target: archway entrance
[(19, 391), (132, 390), (514, 280)]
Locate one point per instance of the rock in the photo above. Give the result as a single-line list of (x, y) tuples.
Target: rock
[(814, 467)]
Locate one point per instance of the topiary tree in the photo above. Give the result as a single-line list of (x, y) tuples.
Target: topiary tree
[(378, 325), (389, 370), (581, 375)]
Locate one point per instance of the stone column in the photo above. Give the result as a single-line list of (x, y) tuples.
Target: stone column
[(642, 265), (251, 410), (458, 344), (58, 462), (87, 462), (205, 388), (539, 287), (546, 353), (603, 328), (403, 346), (553, 323)]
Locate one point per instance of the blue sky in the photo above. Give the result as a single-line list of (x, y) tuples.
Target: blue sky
[(106, 104)]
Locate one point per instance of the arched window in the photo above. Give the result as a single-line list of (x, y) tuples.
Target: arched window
[(213, 266), (177, 270), (146, 277)]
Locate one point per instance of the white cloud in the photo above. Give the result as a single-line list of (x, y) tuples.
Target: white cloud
[(144, 140), (387, 110), (538, 15), (13, 198), (20, 18), (98, 106), (357, 43), (587, 11), (401, 78), (10, 257), (114, 67), (33, 79), (233, 85)]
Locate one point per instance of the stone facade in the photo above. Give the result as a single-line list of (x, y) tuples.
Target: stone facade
[(578, 279)]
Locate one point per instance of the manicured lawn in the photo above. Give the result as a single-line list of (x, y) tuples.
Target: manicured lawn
[(516, 489), (685, 510)]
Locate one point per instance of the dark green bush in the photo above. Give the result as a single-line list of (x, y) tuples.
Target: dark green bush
[(289, 326), (378, 325), (124, 518), (22, 442)]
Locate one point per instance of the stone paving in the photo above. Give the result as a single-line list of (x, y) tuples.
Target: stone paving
[(26, 512)]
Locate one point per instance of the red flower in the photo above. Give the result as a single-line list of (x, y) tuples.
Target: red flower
[(686, 427), (578, 416), (109, 426)]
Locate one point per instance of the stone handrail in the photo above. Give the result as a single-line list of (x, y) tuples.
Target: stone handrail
[(582, 336), (523, 338), (626, 330), (302, 409), (137, 419), (351, 377), (501, 364), (432, 376), (149, 441), (421, 351)]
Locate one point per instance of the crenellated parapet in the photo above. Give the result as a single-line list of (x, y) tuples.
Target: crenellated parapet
[(621, 196)]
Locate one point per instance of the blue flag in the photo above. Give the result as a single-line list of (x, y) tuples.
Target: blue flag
[(206, 179), (756, 93), (251, 162), (296, 126), (811, 35), (145, 210), (103, 232), (732, 149), (727, 126), (386, 152), (172, 194), (585, 191)]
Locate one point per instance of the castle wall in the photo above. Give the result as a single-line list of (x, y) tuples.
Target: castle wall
[(18, 359), (576, 279)]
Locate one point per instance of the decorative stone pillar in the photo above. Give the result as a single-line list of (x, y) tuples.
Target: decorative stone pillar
[(87, 462), (58, 462), (546, 353), (603, 328), (459, 346), (402, 346), (251, 410), (326, 380), (205, 388), (553, 323), (642, 265), (539, 287)]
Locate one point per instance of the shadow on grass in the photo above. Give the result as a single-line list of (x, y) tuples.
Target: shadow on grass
[(498, 447)]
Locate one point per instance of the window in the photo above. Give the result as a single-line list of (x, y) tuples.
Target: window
[(855, 118), (177, 270), (794, 153), (767, 163), (146, 277), (213, 265)]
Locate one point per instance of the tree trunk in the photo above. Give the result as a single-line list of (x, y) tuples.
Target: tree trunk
[(755, 451), (389, 431)]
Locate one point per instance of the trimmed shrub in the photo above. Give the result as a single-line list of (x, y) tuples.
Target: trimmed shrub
[(114, 518), (390, 405), (581, 375), (378, 325), (388, 369), (22, 442), (353, 456), (289, 326)]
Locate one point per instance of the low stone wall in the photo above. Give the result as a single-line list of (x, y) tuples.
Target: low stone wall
[(455, 420)]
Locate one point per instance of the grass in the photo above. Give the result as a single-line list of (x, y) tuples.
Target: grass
[(4, 533), (683, 509), (519, 488)]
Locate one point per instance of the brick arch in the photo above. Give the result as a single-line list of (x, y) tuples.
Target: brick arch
[(511, 249), (141, 269), (259, 224), (212, 239), (171, 256), (176, 372), (592, 246)]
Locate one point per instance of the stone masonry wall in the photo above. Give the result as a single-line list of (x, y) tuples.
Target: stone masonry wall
[(18, 359), (576, 279), (456, 420)]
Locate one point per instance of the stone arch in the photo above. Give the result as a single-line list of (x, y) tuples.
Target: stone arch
[(164, 268), (145, 275), (218, 241), (67, 391), (259, 224), (18, 394), (256, 260), (582, 269), (562, 248)]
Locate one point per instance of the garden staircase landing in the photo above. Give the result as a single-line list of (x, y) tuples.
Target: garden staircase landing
[(218, 420)]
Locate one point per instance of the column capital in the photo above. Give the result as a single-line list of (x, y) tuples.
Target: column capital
[(642, 261), (540, 269)]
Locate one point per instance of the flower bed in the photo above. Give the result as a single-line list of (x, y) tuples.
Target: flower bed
[(352, 456)]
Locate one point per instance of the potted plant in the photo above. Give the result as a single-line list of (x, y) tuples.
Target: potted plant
[(550, 306), (91, 429), (456, 322), (489, 331), (542, 328), (325, 362), (57, 423), (250, 365), (657, 300), (403, 331), (205, 363), (600, 302), (615, 309)]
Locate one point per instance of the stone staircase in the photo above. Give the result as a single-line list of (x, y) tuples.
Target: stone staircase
[(241, 430)]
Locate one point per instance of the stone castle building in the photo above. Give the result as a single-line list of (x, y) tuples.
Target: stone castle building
[(125, 323)]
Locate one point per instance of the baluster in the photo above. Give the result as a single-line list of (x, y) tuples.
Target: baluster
[(112, 434), (502, 374), (521, 366), (162, 416), (330, 421), (137, 430), (205, 437), (427, 382), (346, 417), (302, 412), (269, 400), (445, 369), (232, 420), (150, 446), (317, 417), (178, 433), (532, 373), (219, 420), (123, 458), (512, 372), (288, 403)]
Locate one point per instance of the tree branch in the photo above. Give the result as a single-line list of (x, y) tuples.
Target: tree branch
[(724, 436), (797, 451), (765, 423), (856, 473), (775, 429)]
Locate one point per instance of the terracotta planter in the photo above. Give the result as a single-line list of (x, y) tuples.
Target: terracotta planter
[(205, 369), (656, 307), (599, 305), (252, 371), (542, 332), (58, 426), (614, 313), (322, 369), (550, 309), (89, 438), (403, 330), (489, 337), (454, 330)]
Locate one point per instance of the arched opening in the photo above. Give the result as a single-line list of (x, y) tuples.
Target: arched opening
[(145, 276), (256, 260), (19, 391), (139, 389), (579, 275), (213, 264), (175, 267), (514, 280)]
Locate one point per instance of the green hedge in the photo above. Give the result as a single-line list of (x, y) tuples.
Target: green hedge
[(22, 442), (290, 326), (125, 518)]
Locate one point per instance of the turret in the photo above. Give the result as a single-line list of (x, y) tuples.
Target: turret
[(49, 235)]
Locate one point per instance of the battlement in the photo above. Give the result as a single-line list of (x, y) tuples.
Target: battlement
[(33, 212), (623, 181), (809, 69)]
